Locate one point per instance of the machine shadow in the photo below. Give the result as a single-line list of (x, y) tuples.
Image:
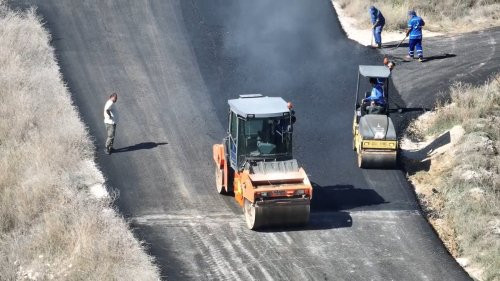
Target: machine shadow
[(317, 221), (342, 197), (329, 207), (420, 158), (139, 146)]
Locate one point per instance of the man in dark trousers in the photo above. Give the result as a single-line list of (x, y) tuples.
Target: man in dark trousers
[(110, 122), (415, 24), (378, 22)]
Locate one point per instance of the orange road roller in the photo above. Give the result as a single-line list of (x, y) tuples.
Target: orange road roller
[(255, 163)]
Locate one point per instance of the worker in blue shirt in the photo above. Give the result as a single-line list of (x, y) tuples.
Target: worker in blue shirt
[(414, 30), (375, 102), (378, 22)]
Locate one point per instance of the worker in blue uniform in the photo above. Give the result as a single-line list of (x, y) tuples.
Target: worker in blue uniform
[(375, 102), (415, 24), (378, 22)]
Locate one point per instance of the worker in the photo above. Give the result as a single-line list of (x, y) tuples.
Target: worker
[(110, 122), (389, 63), (415, 24), (377, 93), (292, 112), (375, 102), (378, 22)]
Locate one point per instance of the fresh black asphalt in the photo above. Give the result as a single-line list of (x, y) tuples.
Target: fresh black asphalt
[(174, 64), (467, 58)]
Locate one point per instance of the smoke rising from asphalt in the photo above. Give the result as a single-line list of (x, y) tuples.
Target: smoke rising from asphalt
[(282, 45)]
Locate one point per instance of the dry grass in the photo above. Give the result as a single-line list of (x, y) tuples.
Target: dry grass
[(50, 225), (439, 15), (461, 190)]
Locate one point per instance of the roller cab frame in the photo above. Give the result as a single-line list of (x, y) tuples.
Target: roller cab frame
[(374, 137), (254, 161)]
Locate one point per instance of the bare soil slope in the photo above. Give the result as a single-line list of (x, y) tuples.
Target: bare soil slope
[(51, 226), (452, 157), (440, 15)]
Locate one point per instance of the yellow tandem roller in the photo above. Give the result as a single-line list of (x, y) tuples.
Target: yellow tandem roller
[(374, 136)]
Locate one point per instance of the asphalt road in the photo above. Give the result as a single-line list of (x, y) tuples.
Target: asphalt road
[(174, 65), (469, 58)]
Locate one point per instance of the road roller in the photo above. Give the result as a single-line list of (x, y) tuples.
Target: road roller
[(255, 163), (374, 137)]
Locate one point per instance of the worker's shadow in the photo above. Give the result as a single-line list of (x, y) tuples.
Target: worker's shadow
[(439, 57), (139, 146)]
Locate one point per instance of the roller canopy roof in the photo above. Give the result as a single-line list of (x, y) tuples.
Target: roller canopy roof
[(376, 71), (259, 106)]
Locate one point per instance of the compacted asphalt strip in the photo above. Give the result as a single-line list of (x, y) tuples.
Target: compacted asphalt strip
[(174, 64), (469, 58)]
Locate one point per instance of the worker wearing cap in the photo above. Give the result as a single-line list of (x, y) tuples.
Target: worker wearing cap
[(378, 22), (415, 24), (292, 112), (389, 63), (110, 122)]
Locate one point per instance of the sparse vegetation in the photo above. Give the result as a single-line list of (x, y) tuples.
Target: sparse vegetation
[(460, 189), (51, 227), (439, 15)]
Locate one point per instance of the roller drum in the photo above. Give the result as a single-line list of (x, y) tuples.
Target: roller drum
[(285, 212), (376, 159)]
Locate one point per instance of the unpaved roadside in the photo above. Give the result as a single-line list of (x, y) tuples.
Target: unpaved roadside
[(364, 36), (52, 226), (451, 157)]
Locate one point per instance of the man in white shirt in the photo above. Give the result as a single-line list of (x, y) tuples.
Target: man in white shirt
[(110, 122)]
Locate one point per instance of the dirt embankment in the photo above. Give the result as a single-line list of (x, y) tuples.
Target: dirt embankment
[(440, 15), (452, 159), (56, 220), (357, 27)]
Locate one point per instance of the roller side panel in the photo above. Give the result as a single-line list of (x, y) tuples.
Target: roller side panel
[(219, 155)]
